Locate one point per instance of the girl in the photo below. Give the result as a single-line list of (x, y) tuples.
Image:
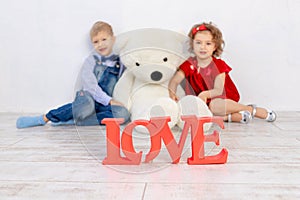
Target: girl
[(208, 78)]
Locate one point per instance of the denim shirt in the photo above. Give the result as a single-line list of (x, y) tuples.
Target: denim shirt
[(95, 81)]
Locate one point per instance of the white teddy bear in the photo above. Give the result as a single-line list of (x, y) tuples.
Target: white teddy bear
[(152, 56)]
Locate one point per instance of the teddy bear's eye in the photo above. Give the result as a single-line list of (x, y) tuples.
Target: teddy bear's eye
[(137, 64), (165, 59)]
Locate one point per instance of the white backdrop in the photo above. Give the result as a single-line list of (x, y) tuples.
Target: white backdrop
[(44, 42)]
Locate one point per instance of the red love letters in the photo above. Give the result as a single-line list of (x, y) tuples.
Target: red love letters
[(160, 131)]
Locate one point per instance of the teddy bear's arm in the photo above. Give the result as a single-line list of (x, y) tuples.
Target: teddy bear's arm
[(123, 88)]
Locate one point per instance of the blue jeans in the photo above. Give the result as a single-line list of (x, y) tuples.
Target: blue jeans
[(84, 110), (87, 112)]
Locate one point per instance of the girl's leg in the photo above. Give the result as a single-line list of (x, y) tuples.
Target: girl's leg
[(263, 113), (223, 107), (242, 117), (230, 110)]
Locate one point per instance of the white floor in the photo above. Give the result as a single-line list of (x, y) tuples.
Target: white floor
[(65, 163)]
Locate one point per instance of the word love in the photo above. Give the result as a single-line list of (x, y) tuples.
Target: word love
[(160, 131)]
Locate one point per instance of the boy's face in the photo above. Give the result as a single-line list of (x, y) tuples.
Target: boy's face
[(103, 43)]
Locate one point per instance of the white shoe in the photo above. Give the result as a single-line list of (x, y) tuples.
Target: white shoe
[(246, 117)]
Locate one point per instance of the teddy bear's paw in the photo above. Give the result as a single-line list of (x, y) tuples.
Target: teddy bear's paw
[(165, 106), (192, 105), (162, 107)]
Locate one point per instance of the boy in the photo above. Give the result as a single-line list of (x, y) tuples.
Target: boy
[(100, 72)]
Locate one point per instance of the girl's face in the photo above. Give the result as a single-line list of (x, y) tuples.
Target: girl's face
[(203, 45), (103, 43)]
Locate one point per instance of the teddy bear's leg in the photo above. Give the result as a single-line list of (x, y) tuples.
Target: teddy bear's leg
[(163, 106), (192, 105)]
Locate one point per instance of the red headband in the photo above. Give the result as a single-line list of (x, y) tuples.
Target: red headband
[(202, 27)]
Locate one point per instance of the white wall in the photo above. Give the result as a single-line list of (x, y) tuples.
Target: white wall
[(44, 42)]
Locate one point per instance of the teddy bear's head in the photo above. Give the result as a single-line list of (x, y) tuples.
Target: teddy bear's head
[(152, 55)]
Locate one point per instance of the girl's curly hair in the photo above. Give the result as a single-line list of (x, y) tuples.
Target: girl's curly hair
[(216, 35)]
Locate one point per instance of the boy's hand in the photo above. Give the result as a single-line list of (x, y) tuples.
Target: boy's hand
[(116, 103)]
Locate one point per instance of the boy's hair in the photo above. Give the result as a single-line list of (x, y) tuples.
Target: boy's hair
[(101, 26), (216, 35)]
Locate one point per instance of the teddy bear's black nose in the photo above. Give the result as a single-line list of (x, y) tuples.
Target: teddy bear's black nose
[(156, 76)]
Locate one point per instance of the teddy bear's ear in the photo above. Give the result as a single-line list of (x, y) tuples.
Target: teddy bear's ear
[(184, 40), (120, 43)]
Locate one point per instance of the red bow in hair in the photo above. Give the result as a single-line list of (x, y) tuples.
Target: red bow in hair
[(202, 27)]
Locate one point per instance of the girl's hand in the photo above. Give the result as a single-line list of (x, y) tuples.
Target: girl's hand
[(173, 96), (203, 96)]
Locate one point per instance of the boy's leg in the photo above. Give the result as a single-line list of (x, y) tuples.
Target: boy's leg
[(83, 106), (84, 109), (88, 121), (61, 114), (105, 112), (30, 121), (100, 113), (113, 111), (120, 112)]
